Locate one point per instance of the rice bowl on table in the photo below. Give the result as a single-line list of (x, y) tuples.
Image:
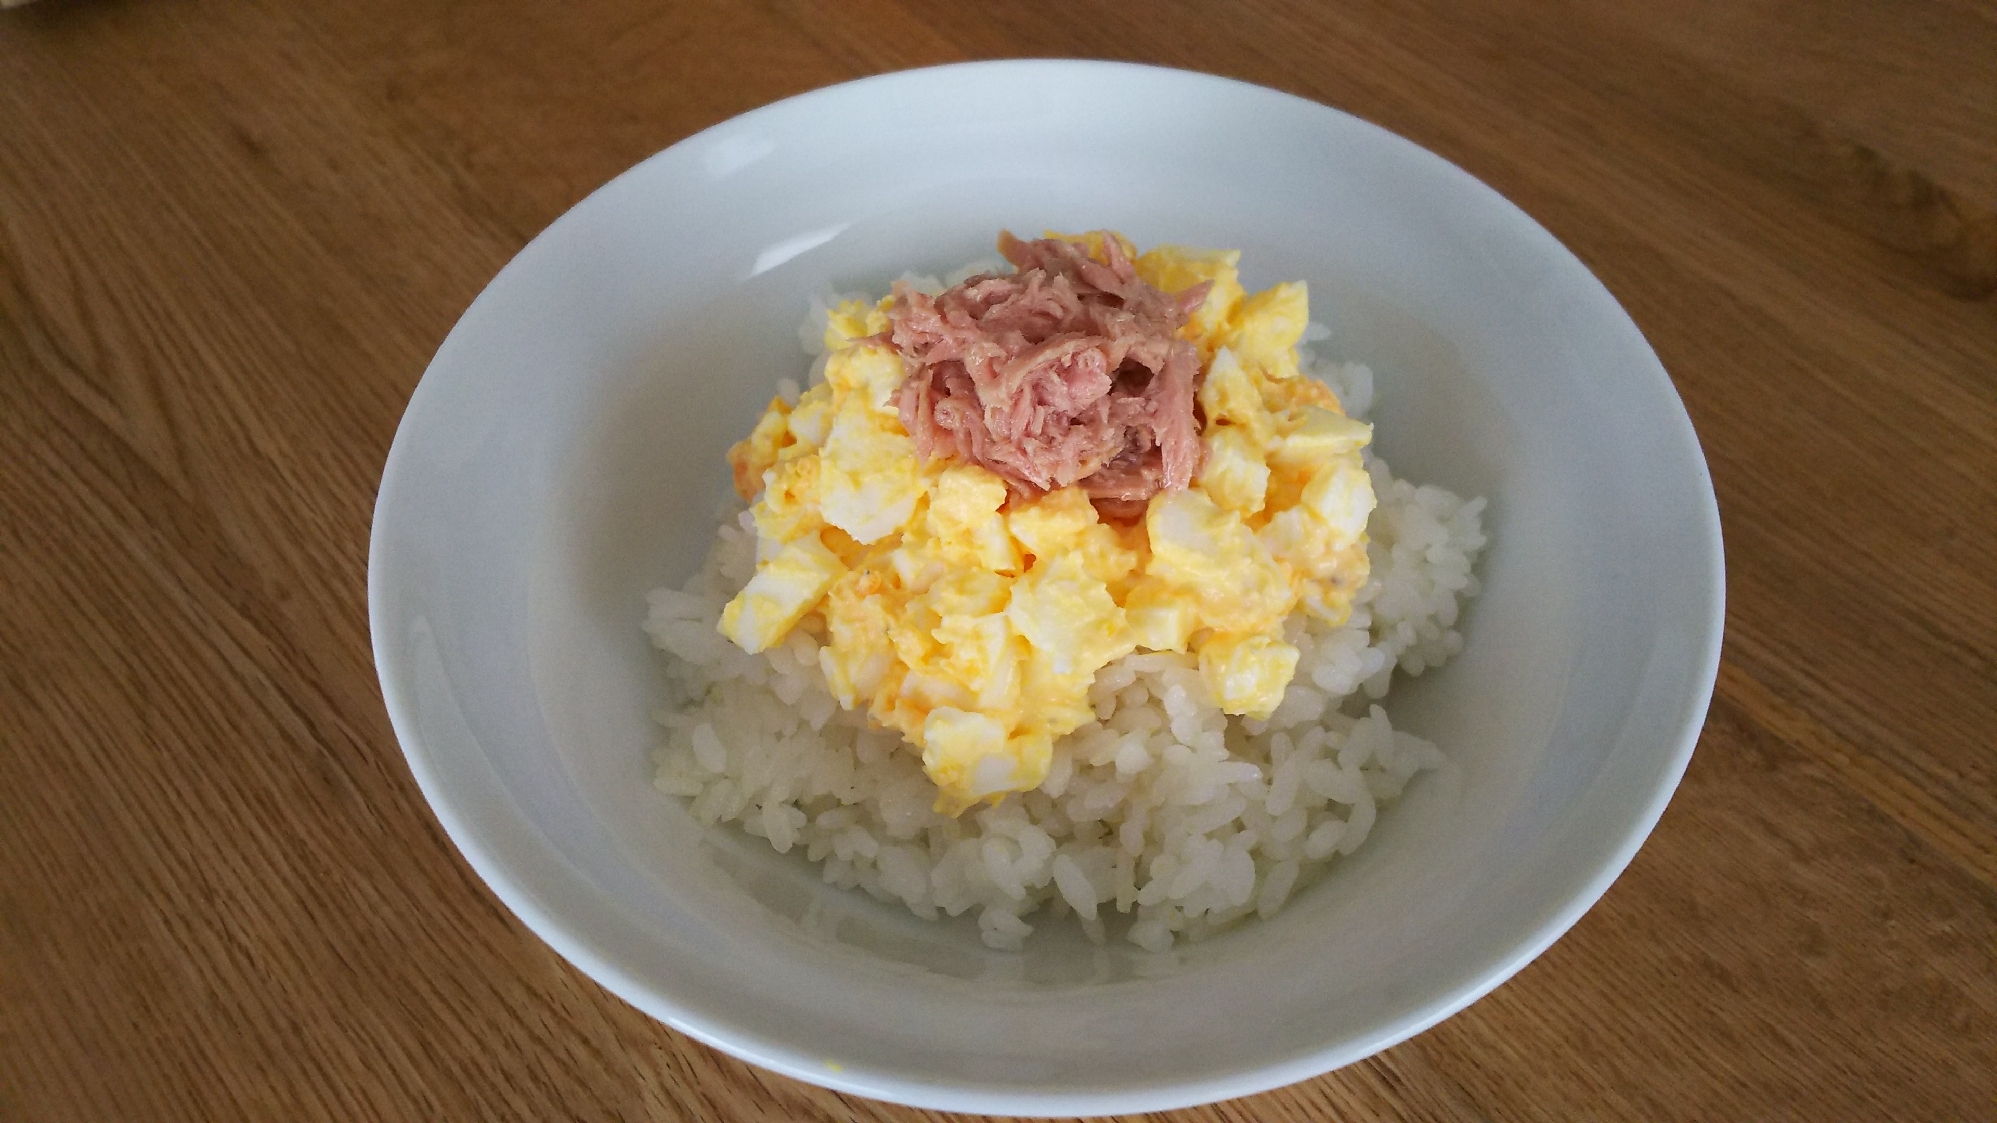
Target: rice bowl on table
[(1115, 628)]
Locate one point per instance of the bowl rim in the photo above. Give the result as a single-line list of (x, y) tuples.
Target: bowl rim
[(713, 1027)]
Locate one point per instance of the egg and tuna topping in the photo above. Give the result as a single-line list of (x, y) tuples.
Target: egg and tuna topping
[(998, 491)]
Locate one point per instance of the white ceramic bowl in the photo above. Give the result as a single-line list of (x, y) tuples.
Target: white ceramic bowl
[(563, 454)]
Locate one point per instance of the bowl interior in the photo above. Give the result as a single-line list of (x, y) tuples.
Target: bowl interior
[(563, 455)]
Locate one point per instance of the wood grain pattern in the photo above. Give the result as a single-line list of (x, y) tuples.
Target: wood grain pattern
[(232, 234)]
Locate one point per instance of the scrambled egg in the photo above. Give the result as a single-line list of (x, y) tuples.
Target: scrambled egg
[(976, 628)]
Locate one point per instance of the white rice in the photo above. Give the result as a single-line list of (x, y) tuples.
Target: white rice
[(1162, 819)]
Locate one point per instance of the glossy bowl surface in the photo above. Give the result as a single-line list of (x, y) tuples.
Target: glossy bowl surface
[(563, 454)]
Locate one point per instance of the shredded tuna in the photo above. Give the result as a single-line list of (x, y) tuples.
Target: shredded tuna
[(1068, 371)]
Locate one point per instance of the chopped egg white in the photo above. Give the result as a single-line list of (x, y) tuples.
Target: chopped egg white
[(974, 626)]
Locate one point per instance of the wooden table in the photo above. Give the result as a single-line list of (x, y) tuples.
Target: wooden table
[(231, 235)]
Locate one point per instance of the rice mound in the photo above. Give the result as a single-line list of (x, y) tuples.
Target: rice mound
[(1164, 810)]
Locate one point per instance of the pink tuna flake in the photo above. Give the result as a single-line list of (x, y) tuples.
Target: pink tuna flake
[(1069, 371)]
